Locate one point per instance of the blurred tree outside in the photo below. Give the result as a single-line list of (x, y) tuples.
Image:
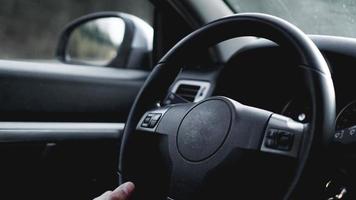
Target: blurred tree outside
[(29, 29)]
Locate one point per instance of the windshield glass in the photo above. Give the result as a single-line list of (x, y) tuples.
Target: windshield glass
[(326, 17)]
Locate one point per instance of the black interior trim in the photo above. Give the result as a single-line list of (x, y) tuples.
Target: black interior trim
[(56, 92)]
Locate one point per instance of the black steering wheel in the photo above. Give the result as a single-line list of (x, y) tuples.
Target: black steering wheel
[(219, 148)]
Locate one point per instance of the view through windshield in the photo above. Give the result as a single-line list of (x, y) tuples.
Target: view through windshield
[(325, 17)]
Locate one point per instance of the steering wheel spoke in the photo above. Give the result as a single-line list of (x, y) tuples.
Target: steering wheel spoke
[(163, 120), (150, 120), (283, 136), (260, 130), (185, 182)]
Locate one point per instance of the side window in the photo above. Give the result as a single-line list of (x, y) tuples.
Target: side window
[(30, 30)]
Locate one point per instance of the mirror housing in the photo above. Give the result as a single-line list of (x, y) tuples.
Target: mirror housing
[(111, 39)]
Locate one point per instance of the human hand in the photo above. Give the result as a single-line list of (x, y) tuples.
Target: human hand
[(123, 192)]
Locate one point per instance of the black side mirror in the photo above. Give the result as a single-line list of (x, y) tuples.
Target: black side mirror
[(107, 39)]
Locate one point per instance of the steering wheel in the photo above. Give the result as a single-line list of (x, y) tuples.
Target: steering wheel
[(219, 148)]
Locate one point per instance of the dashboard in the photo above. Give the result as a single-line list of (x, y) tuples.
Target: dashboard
[(346, 118), (266, 76)]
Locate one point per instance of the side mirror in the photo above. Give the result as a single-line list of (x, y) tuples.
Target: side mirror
[(107, 39)]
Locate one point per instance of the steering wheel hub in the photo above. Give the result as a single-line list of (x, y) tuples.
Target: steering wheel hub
[(203, 130)]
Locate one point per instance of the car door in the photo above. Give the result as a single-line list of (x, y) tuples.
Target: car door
[(61, 123)]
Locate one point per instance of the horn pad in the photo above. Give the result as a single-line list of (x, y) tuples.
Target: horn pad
[(204, 129)]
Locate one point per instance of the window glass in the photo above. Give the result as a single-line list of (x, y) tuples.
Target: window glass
[(29, 29)]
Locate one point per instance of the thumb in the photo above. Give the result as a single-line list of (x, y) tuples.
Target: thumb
[(123, 192)]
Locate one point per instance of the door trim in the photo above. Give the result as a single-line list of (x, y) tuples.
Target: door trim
[(58, 131)]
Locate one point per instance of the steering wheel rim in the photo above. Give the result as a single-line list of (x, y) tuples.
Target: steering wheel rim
[(316, 74)]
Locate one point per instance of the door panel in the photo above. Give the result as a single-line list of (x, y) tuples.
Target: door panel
[(60, 128), (61, 170), (69, 93), (58, 160)]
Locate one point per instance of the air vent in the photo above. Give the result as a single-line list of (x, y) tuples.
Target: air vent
[(188, 90)]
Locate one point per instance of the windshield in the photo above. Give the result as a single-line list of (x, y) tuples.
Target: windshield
[(325, 17)]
